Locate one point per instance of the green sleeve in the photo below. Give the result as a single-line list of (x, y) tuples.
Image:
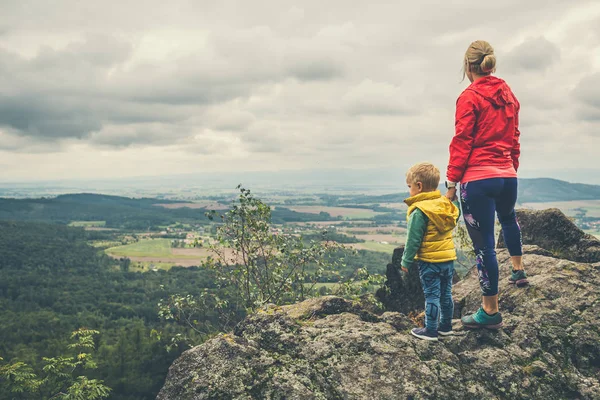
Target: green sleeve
[(417, 226)]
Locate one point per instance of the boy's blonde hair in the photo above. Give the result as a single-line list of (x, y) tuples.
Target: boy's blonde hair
[(479, 58), (426, 173)]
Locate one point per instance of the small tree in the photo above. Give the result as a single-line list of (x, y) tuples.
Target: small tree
[(62, 375), (256, 265), (259, 266)]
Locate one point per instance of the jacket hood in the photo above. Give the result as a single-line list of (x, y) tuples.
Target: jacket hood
[(494, 90), (437, 208)]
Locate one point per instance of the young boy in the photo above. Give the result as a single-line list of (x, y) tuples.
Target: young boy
[(431, 219)]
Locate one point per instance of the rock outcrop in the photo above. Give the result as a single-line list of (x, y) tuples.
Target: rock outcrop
[(331, 348), (401, 292), (555, 232)]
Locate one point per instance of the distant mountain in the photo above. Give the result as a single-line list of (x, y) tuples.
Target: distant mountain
[(535, 190), (546, 189), (115, 211)]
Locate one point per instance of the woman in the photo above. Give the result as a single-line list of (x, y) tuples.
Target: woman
[(484, 158)]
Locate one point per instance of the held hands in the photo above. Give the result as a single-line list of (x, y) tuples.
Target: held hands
[(404, 269), (451, 194)]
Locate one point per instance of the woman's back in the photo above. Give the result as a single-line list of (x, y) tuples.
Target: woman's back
[(487, 133)]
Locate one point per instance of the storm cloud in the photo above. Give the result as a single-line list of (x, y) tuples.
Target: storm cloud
[(280, 85)]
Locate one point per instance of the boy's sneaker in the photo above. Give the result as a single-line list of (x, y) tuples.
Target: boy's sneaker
[(445, 330), (423, 333), (482, 320), (518, 278)]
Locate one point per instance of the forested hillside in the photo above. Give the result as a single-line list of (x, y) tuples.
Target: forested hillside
[(119, 212), (52, 283)]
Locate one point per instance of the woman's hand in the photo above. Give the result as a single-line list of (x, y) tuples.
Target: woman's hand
[(403, 268), (451, 194)]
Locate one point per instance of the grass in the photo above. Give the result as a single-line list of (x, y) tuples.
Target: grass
[(144, 248), (375, 246), (98, 224)]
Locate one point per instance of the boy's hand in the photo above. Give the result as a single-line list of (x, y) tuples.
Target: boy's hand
[(403, 268)]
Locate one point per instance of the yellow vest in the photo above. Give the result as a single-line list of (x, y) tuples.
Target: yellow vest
[(442, 215)]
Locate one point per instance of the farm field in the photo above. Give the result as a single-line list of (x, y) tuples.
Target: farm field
[(396, 206), (143, 248), (570, 208), (328, 223), (374, 246), (397, 239), (209, 205), (160, 252), (88, 224), (372, 230), (392, 235), (344, 212)]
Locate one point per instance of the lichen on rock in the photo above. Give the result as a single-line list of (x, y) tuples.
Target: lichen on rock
[(331, 348)]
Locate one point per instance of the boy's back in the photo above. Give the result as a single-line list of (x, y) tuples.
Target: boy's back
[(431, 220)]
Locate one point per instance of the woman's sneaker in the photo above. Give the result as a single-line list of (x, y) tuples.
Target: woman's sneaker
[(518, 278), (482, 320), (445, 330), (425, 334)]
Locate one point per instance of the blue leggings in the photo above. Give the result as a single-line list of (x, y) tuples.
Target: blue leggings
[(480, 200)]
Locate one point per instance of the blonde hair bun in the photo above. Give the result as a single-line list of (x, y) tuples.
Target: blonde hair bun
[(479, 58), (488, 64)]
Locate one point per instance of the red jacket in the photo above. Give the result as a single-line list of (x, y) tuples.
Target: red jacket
[(487, 128)]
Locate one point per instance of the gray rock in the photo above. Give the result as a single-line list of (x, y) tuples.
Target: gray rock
[(332, 348), (402, 291), (329, 348), (555, 232)]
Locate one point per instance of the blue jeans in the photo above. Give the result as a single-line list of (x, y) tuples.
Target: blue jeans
[(480, 200), (436, 280)]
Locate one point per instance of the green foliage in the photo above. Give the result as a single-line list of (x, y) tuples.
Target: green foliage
[(62, 377), (114, 211), (359, 284), (191, 311), (52, 282), (255, 265), (18, 378), (332, 235), (462, 239), (264, 267)]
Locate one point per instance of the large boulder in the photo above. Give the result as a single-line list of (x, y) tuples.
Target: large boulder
[(402, 291), (555, 232), (329, 348)]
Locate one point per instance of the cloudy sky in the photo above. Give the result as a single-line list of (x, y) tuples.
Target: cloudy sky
[(105, 89)]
